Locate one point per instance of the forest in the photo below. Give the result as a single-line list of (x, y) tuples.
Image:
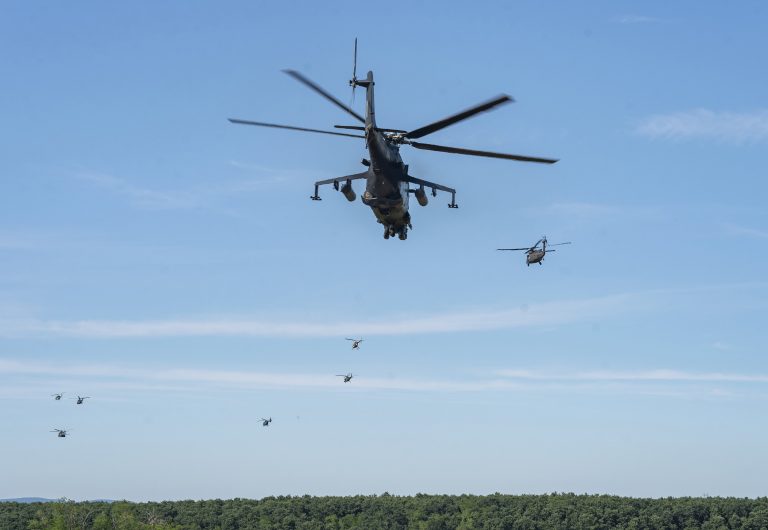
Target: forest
[(423, 512)]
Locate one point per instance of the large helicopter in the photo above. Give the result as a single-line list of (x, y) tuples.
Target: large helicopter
[(356, 343), (266, 422), (81, 400), (58, 396), (62, 433), (388, 183), (347, 377), (535, 254)]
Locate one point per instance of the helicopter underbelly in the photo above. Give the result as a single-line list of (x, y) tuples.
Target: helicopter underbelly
[(391, 210)]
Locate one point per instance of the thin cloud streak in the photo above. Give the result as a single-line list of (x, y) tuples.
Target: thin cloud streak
[(736, 230), (635, 376), (117, 379), (190, 378), (144, 197), (635, 19), (544, 314), (731, 127)]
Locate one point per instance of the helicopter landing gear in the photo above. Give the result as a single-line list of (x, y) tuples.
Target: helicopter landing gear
[(403, 234), (386, 232)]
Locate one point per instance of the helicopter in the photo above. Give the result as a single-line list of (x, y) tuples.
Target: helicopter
[(62, 433), (266, 422), (58, 396), (81, 400), (534, 254), (388, 183), (347, 377), (356, 343)]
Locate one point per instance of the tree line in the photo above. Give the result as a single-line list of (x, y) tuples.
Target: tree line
[(422, 512)]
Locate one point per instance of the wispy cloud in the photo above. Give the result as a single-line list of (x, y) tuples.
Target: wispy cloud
[(732, 127), (736, 230), (553, 313), (543, 314), (592, 210), (193, 197), (634, 19), (635, 376), (114, 380), (143, 197), (119, 377)]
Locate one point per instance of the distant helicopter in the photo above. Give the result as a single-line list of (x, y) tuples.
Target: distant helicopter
[(347, 377), (58, 396), (356, 343), (535, 254), (80, 400), (62, 433), (387, 179), (266, 422)]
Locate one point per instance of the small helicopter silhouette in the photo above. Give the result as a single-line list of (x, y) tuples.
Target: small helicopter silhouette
[(80, 400), (356, 343), (58, 396), (347, 377), (266, 422), (62, 433), (535, 254)]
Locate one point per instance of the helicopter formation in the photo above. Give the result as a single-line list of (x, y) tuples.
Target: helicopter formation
[(63, 433), (388, 183), (79, 399)]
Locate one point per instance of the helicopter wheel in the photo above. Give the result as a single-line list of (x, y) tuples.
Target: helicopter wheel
[(386, 233), (403, 235)]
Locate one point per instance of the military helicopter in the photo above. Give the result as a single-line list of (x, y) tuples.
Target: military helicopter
[(356, 343), (62, 433), (58, 396), (534, 254), (388, 183), (80, 400), (266, 422), (347, 377)]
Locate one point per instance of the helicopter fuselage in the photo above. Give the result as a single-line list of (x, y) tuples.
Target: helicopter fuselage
[(386, 189), (534, 256)]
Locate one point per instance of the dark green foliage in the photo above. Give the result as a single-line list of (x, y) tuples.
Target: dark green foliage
[(422, 512)]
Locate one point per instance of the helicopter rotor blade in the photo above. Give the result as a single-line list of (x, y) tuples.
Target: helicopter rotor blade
[(292, 128), (512, 248), (475, 152), (300, 78), (463, 115), (556, 244), (353, 81), (361, 128)]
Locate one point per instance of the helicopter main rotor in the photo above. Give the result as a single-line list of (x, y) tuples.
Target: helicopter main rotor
[(399, 136)]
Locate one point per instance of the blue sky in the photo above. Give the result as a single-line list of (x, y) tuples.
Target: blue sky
[(172, 266)]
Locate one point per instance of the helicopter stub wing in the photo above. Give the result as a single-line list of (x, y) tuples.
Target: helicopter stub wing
[(336, 181), (356, 176), (435, 187)]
